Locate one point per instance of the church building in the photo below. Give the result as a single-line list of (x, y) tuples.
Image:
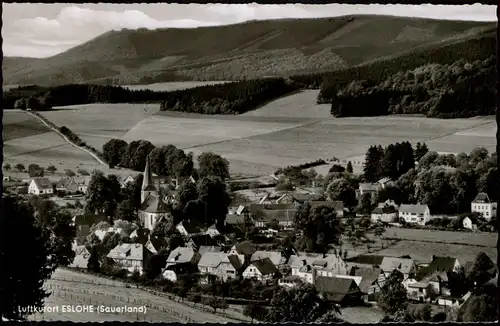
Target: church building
[(154, 206)]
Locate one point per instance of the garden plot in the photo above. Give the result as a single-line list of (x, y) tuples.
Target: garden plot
[(18, 124)]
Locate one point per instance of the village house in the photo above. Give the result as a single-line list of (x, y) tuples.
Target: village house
[(125, 180), (189, 228), (384, 182), (219, 265), (483, 205), (40, 186), (307, 265), (416, 214), (83, 223), (269, 233), (341, 291), (368, 188), (237, 220), (470, 222), (386, 214), (212, 231), (81, 259), (276, 257), (369, 280), (437, 265), (154, 205), (264, 214), (290, 281), (406, 266), (262, 270), (203, 249), (390, 203), (102, 233), (130, 256), (182, 260)]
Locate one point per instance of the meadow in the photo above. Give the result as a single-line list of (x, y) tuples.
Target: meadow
[(17, 124), (481, 239)]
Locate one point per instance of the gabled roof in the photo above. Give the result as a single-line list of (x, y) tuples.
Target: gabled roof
[(211, 259), (416, 209), (334, 288), (204, 249), (244, 248), (472, 218), (81, 250), (132, 251), (384, 210), (368, 276), (235, 261), (438, 264), (275, 256), (154, 204), (234, 219), (482, 198), (315, 260), (375, 260), (265, 266), (403, 265), (180, 255), (384, 180), (88, 219), (42, 183), (191, 227), (368, 186)]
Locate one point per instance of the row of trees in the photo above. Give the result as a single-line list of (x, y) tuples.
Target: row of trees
[(230, 98), (457, 90), (376, 72), (391, 161)]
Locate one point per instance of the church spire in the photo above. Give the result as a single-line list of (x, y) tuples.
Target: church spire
[(147, 182)]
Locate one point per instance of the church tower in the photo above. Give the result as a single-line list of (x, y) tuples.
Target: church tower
[(148, 187)]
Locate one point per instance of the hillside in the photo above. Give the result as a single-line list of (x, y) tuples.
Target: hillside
[(252, 49)]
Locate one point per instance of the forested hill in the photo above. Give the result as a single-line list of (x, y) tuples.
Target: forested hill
[(242, 51)]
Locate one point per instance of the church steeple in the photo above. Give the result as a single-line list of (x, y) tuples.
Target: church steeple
[(147, 182)]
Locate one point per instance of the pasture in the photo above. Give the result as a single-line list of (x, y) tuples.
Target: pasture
[(173, 86), (18, 124)]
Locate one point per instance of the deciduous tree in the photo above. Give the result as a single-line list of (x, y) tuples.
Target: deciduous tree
[(393, 296), (211, 164)]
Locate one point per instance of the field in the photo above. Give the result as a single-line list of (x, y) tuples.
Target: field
[(468, 238), (17, 124), (172, 86), (71, 288)]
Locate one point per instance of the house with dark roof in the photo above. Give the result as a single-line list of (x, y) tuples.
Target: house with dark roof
[(406, 266), (262, 270), (189, 228), (341, 291), (40, 186), (235, 219), (263, 214), (276, 257), (386, 214), (73, 184), (484, 206), (245, 248), (337, 205), (182, 260), (416, 214), (307, 265), (371, 281), (366, 260), (438, 265), (220, 265)]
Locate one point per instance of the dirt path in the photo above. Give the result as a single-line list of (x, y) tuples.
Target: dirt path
[(67, 140)]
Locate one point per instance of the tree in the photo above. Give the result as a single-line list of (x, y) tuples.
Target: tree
[(69, 173), (52, 169), (7, 167), (320, 228), (348, 168), (154, 265), (301, 304), (389, 162), (341, 189), (255, 311), (371, 169), (35, 170), (482, 270), (194, 298), (393, 296), (125, 211), (420, 151), (331, 316), (23, 275), (365, 204), (93, 262), (185, 193), (214, 199), (482, 306), (113, 151), (458, 283), (103, 194), (214, 303), (211, 164), (20, 167)]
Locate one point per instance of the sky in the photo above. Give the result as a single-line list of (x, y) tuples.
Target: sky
[(42, 30)]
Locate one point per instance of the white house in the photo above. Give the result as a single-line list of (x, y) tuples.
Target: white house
[(102, 233), (221, 265), (418, 214), (306, 266), (385, 214), (40, 186), (126, 180), (483, 205), (368, 188), (261, 270), (130, 256), (469, 223)]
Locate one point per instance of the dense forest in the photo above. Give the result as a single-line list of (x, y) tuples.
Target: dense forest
[(459, 90), (230, 98), (378, 71)]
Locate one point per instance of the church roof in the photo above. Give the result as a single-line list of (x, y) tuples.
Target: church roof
[(154, 204), (147, 182)]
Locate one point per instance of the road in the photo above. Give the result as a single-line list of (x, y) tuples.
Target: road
[(67, 140), (73, 288)]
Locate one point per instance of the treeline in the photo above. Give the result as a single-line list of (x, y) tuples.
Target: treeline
[(230, 98), (459, 90), (376, 72), (447, 183), (39, 98)]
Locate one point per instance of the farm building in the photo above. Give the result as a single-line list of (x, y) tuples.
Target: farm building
[(290, 281), (342, 291), (219, 264), (126, 180), (73, 184), (483, 205), (153, 205), (406, 266), (438, 265), (40, 186), (368, 188), (262, 270), (277, 258), (385, 214), (371, 283), (264, 214), (470, 223), (388, 203), (102, 233), (189, 228), (82, 256), (308, 265), (181, 260), (417, 214)]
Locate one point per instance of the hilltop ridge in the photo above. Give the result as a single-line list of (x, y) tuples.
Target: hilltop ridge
[(251, 49)]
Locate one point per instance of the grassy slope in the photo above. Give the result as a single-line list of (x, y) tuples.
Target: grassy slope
[(254, 49)]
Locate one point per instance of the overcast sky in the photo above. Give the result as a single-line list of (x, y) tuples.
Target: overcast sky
[(42, 30)]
